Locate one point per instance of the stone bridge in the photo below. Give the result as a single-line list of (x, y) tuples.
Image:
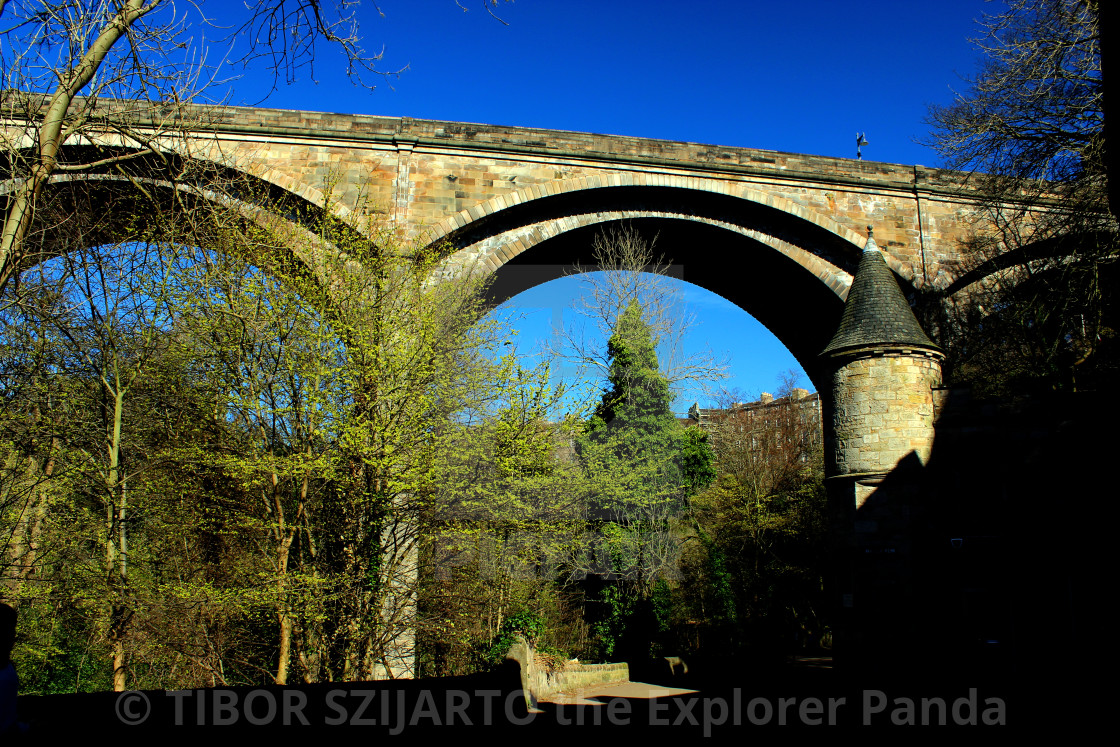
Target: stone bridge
[(778, 234)]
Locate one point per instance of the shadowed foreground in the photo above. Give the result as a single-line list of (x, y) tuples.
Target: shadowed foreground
[(734, 700)]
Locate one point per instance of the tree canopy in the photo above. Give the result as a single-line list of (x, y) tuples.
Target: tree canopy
[(638, 399), (1035, 110)]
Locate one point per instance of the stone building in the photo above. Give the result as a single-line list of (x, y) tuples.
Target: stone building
[(793, 421), (883, 371), (749, 416)]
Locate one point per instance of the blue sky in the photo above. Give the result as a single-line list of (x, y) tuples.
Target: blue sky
[(799, 77)]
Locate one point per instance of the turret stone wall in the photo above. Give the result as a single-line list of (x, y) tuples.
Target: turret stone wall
[(882, 410)]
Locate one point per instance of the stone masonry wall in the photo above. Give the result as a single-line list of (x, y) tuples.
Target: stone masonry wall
[(420, 173), (539, 682), (424, 178), (882, 410), (420, 176)]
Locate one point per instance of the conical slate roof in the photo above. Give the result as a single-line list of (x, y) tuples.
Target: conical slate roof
[(876, 312)]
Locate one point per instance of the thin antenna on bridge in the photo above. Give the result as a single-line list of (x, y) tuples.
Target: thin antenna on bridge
[(861, 140)]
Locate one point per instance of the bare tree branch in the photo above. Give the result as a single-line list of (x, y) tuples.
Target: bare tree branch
[(1030, 126), (626, 269)]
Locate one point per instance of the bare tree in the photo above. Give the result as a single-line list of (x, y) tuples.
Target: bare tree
[(768, 447), (1032, 118), (763, 519), (1030, 127), (95, 86), (625, 269)]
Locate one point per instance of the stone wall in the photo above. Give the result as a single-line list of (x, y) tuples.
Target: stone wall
[(540, 682), (421, 174), (882, 410)]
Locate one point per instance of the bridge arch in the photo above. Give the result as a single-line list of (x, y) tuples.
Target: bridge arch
[(473, 220), (160, 195), (1037, 254), (788, 267), (275, 180)]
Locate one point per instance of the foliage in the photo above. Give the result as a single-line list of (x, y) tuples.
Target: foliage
[(151, 538), (467, 622), (506, 526), (633, 452), (226, 433), (753, 569), (612, 628), (524, 624), (662, 604), (720, 583), (280, 465), (641, 466), (696, 461)]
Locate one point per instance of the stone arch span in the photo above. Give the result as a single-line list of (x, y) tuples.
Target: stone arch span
[(786, 266), (159, 195), (1035, 254), (705, 199)]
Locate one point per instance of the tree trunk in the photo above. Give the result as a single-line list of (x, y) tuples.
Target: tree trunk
[(118, 664), (284, 612), (116, 546), (50, 136), (285, 647)]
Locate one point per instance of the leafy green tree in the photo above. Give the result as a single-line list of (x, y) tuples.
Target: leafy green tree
[(506, 524), (272, 371), (756, 561), (105, 310), (642, 466), (125, 401), (631, 451)]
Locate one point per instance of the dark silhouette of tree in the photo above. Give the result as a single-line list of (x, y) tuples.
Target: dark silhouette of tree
[(1030, 126)]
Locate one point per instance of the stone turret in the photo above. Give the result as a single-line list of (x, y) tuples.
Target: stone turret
[(878, 416), (883, 369)]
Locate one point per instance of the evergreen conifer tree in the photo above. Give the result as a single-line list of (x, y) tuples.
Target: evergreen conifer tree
[(642, 463), (634, 421)]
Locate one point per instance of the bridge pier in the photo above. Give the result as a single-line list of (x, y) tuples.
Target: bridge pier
[(882, 370)]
